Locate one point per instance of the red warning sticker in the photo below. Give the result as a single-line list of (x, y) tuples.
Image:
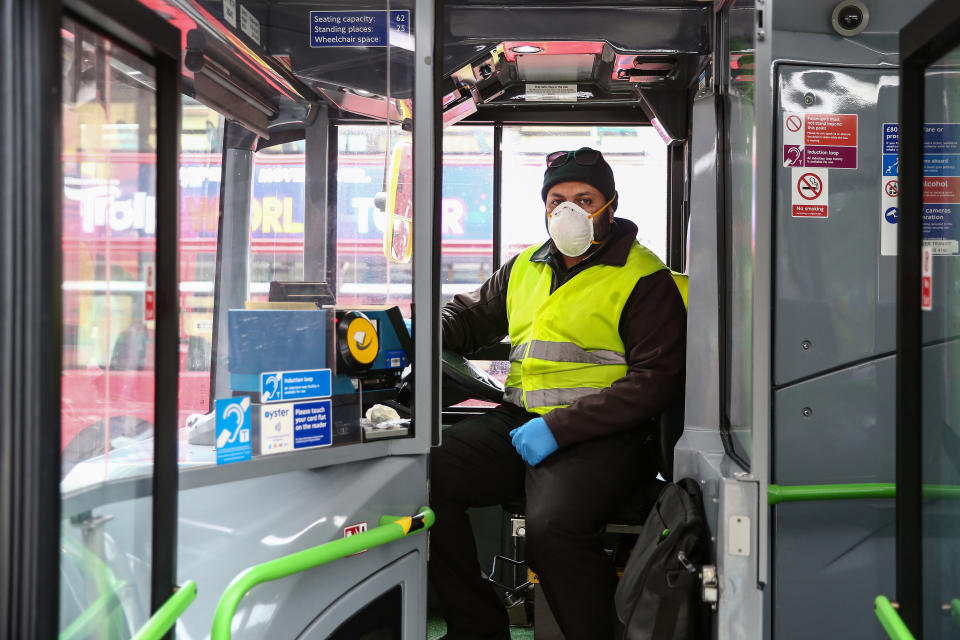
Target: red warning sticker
[(150, 296), (354, 529), (831, 129), (926, 280)]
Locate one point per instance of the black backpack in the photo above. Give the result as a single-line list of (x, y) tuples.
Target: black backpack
[(659, 596)]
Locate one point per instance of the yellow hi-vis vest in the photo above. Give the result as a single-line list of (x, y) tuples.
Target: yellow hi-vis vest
[(567, 345)]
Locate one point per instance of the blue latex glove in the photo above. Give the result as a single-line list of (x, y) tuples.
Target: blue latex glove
[(534, 441)]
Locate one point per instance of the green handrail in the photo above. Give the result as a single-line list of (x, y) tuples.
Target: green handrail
[(391, 528), (777, 493), (955, 611), (106, 610), (890, 620), (796, 493), (165, 617)]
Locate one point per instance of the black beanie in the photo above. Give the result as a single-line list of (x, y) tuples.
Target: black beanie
[(598, 176)]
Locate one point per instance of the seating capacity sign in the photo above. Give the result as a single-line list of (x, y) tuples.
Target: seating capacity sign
[(356, 28)]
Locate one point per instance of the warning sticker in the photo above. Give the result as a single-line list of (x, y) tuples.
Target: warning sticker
[(822, 140), (150, 295), (810, 193), (541, 92), (926, 279), (941, 188)]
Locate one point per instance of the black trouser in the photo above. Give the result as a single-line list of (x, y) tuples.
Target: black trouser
[(569, 497)]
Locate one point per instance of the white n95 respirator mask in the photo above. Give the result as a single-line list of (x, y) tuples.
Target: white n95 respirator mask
[(571, 228)]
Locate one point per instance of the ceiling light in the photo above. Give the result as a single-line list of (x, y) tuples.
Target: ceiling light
[(526, 48)]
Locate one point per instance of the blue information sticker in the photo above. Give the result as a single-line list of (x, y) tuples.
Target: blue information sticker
[(356, 28), (941, 138), (941, 165), (286, 386), (891, 138), (891, 164), (234, 433), (396, 359), (313, 424), (940, 228)]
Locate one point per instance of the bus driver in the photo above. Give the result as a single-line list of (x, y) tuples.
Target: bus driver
[(597, 333)]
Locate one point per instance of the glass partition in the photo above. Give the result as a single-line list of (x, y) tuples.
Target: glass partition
[(276, 217), (373, 263)]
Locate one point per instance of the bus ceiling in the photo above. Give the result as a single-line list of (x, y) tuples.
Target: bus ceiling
[(534, 61)]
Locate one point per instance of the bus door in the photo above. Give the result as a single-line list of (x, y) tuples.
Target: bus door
[(926, 146), (120, 349)]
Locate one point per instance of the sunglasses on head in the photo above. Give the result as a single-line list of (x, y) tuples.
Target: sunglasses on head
[(584, 156)]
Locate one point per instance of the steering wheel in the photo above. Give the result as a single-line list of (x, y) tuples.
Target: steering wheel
[(462, 380)]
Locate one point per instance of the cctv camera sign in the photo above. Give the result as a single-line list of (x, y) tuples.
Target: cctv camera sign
[(820, 140)]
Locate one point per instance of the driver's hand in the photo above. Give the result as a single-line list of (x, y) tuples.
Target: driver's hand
[(533, 441)]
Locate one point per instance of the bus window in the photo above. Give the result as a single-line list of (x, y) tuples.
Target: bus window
[(637, 155), (276, 217)]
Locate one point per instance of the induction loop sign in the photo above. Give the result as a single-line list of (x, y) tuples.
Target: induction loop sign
[(809, 199)]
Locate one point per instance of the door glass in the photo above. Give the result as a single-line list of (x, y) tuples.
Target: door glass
[(941, 348), (109, 219), (637, 155)]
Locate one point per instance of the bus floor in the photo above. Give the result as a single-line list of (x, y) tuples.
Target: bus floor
[(436, 627)]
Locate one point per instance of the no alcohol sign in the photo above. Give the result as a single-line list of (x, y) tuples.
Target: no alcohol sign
[(809, 193)]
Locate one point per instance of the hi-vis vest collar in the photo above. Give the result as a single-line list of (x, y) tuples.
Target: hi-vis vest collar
[(566, 345)]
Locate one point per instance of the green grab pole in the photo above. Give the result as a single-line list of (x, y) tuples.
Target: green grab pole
[(102, 581), (955, 611), (890, 620), (797, 493), (777, 493), (94, 614), (396, 528), (165, 617), (941, 491)]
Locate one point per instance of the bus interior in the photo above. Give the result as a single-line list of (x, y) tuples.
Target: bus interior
[(236, 294)]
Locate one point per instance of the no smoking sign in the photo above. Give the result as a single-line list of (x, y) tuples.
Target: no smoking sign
[(809, 199)]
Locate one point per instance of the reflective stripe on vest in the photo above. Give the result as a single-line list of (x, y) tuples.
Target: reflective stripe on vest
[(564, 352), (566, 345), (549, 397)]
